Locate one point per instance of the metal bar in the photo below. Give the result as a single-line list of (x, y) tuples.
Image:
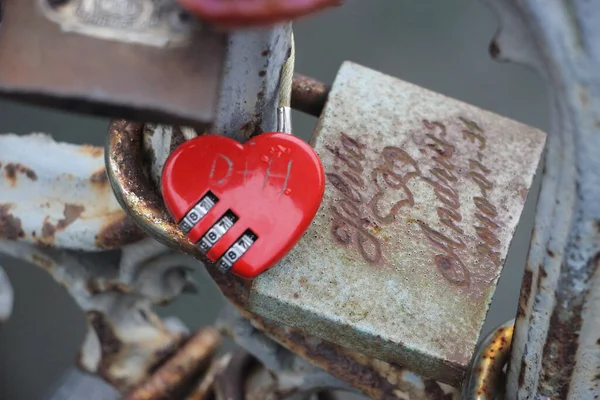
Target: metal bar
[(49, 202), (170, 380), (556, 352), (248, 106), (486, 378), (309, 95)]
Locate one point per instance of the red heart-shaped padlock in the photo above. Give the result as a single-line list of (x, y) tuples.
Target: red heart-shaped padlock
[(267, 190)]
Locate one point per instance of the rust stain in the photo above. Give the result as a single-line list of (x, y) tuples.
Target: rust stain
[(111, 345), (523, 193), (309, 95), (48, 230), (43, 262), (10, 173), (489, 368), (99, 177), (94, 151), (137, 192), (251, 128), (522, 372), (118, 232), (375, 378), (10, 226), (525, 292), (173, 375), (541, 275), (562, 341), (12, 169), (71, 213), (97, 286)]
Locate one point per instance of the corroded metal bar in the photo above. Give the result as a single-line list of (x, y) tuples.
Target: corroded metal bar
[(309, 95), (49, 202), (170, 379), (117, 300), (249, 91), (556, 351), (485, 379)]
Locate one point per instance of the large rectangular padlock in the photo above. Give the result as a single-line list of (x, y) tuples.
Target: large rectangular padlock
[(422, 199)]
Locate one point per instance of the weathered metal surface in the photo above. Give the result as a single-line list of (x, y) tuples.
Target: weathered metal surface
[(142, 59), (125, 338), (292, 371), (47, 201), (486, 379), (423, 196), (373, 377), (170, 380), (249, 92), (309, 95), (132, 186), (556, 350)]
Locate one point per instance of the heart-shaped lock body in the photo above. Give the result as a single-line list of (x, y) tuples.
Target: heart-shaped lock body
[(261, 196)]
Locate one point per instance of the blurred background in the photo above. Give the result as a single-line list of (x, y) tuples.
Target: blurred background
[(440, 45)]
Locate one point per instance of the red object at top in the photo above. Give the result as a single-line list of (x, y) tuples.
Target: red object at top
[(242, 13), (274, 184)]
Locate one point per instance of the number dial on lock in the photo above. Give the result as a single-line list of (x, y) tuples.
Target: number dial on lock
[(245, 205)]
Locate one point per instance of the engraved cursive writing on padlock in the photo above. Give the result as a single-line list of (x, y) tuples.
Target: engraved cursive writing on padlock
[(394, 173)]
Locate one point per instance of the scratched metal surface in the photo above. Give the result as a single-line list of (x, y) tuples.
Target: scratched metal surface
[(423, 196), (140, 76)]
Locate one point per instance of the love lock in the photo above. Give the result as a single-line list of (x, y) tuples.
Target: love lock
[(423, 195), (422, 199)]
